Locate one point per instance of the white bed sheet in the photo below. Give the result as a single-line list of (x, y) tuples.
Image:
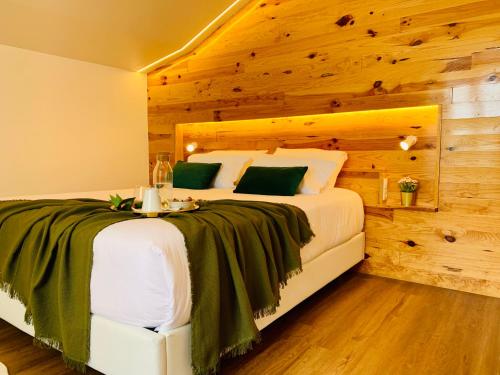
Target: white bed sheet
[(140, 272)]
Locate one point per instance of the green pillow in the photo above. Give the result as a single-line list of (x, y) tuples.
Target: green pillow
[(194, 175), (271, 180)]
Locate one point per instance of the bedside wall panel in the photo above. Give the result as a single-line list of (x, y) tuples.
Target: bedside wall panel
[(304, 57)]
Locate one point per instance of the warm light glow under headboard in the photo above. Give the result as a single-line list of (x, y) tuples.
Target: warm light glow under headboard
[(371, 138)]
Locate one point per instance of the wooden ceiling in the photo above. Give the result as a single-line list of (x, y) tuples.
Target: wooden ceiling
[(123, 34)]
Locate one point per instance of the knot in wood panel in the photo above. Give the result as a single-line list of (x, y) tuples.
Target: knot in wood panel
[(411, 243), (405, 21), (344, 20), (450, 238)]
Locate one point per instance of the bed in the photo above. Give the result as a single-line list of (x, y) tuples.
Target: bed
[(140, 280)]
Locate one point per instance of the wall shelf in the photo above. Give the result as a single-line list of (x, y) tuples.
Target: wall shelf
[(411, 208)]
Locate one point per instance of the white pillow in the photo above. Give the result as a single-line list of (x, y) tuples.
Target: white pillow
[(317, 175), (233, 165), (339, 157)]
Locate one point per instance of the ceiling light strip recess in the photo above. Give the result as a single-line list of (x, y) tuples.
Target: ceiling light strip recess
[(184, 49)]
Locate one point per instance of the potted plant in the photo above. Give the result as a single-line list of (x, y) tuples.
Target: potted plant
[(408, 187)]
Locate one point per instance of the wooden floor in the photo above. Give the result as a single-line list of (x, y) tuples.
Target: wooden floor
[(369, 325), (21, 357), (357, 325)]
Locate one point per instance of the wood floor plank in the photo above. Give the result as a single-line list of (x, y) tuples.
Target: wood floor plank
[(357, 325)]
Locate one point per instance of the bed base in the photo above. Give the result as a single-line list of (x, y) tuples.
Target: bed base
[(120, 349)]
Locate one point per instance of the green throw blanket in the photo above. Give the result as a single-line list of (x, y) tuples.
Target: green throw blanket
[(240, 254)]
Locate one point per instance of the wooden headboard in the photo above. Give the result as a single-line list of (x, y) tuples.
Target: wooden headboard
[(371, 139)]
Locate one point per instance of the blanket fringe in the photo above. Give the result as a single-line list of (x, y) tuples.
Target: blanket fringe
[(246, 345), (289, 275), (41, 342), (268, 310), (75, 365), (46, 343), (236, 350), (307, 240), (51, 343), (7, 288)]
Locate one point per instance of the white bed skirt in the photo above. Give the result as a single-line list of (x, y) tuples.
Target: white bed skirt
[(120, 349)]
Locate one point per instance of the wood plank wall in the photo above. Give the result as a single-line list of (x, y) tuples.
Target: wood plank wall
[(297, 57)]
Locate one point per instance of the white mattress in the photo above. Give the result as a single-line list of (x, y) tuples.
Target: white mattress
[(140, 273)]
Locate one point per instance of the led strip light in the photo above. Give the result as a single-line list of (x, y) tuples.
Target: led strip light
[(184, 49)]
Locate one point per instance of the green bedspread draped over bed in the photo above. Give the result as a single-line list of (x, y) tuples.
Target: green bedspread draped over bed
[(239, 252)]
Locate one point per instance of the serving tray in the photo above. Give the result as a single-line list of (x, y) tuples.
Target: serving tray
[(163, 211)]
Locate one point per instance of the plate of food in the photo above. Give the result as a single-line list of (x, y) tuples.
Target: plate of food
[(181, 205)]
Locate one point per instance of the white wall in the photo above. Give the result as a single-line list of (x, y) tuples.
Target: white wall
[(67, 125)]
